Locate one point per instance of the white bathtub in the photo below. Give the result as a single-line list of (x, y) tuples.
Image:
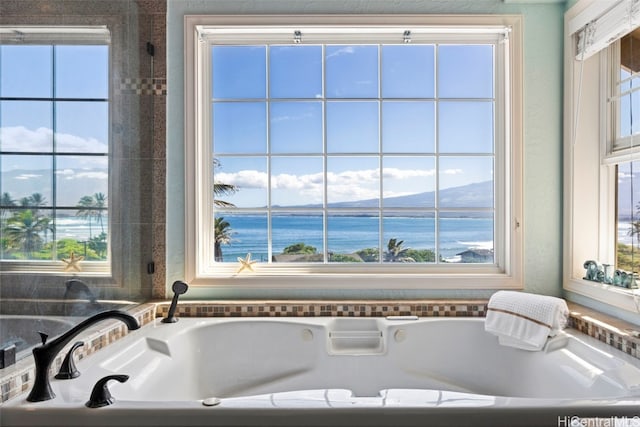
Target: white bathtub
[(341, 371)]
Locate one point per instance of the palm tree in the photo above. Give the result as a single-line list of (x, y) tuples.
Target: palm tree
[(100, 202), (6, 205), (395, 252), (222, 236), (33, 202), (23, 231), (91, 207), (86, 210), (222, 189)]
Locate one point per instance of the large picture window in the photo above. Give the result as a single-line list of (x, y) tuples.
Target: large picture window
[(54, 147), (329, 149)]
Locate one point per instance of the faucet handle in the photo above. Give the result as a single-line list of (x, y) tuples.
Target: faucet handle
[(100, 395), (43, 337), (68, 369)]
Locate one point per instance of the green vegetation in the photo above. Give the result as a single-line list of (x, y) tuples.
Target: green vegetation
[(343, 258), (28, 232), (628, 259), (299, 248), (222, 236)]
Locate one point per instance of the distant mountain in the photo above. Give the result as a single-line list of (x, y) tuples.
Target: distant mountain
[(477, 195)]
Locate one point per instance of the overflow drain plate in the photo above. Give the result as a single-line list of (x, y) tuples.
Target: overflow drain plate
[(211, 401)]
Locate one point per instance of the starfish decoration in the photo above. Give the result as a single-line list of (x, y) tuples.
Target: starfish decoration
[(72, 263), (245, 263)]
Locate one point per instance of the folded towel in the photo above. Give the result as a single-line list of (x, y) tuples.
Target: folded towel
[(525, 320)]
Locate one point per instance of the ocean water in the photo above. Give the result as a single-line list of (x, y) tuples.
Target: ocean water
[(348, 234), (345, 234)]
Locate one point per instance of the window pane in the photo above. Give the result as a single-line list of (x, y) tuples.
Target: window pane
[(296, 127), (297, 238), (24, 176), (333, 155), (26, 126), (409, 238), (295, 71), (297, 181), (26, 71), (466, 127), (82, 71), (353, 238), (628, 239), (409, 182), (466, 182), (28, 234), (353, 182), (352, 127), (408, 127), (466, 237), (82, 127), (84, 232), (407, 71), (351, 71), (248, 175), (239, 72), (82, 181), (237, 235), (239, 127), (465, 71)]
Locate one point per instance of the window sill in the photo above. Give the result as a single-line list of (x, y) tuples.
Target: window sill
[(54, 268), (626, 299), (346, 279)]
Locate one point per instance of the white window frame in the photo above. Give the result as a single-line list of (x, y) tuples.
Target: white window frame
[(590, 162), (507, 273), (61, 35)]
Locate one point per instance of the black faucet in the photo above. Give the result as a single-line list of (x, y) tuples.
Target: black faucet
[(178, 288), (46, 353)]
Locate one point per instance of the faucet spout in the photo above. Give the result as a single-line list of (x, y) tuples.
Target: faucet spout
[(47, 352)]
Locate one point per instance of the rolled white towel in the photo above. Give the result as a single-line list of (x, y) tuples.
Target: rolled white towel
[(524, 320)]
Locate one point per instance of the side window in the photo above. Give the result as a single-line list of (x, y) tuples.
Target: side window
[(625, 106), (54, 153)]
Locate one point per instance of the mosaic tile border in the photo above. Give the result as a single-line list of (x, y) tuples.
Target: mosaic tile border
[(148, 86), (18, 378), (626, 339), (467, 308)]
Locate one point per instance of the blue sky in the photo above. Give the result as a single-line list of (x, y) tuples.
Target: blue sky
[(372, 100), (31, 125)]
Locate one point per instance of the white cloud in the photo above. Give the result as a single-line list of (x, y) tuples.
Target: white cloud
[(19, 138), (88, 175), (26, 176), (452, 171), (347, 50), (396, 173), (244, 179)]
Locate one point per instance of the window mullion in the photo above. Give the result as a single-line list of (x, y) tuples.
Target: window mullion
[(54, 201)]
